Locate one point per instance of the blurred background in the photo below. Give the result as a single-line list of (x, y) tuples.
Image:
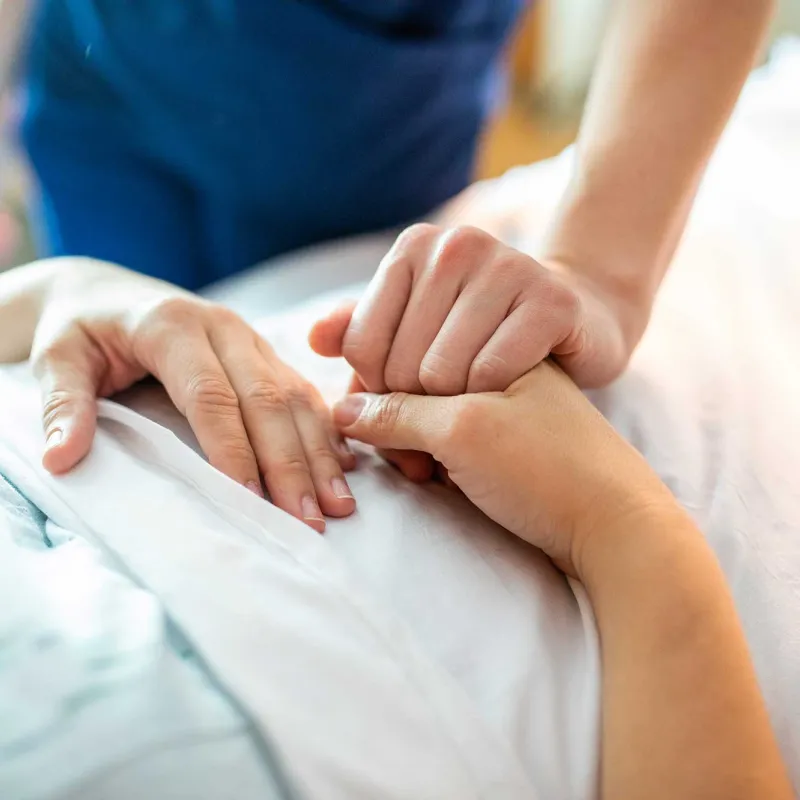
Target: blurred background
[(550, 63)]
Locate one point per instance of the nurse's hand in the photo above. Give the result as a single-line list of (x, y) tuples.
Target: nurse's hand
[(455, 310), (538, 458), (102, 328)]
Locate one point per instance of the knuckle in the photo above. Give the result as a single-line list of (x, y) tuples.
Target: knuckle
[(399, 378), (291, 465), (151, 325), (320, 454), (367, 359), (419, 231), (437, 379), (264, 394), (212, 392), (237, 450), (300, 397), (221, 317), (388, 413), (487, 373), (57, 403), (357, 349), (174, 310), (458, 247)]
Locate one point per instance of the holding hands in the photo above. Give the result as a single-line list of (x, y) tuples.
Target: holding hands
[(454, 310), (449, 312)]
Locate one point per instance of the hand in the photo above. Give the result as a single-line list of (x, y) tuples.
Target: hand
[(453, 311), (103, 328), (538, 458)]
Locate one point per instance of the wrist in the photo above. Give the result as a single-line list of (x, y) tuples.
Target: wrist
[(600, 243), (625, 304), (629, 538)]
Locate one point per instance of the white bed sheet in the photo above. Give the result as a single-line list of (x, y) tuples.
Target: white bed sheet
[(711, 399), (505, 696)]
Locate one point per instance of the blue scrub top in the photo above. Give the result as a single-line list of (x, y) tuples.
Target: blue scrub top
[(189, 139)]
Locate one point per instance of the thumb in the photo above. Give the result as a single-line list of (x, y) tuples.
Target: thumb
[(396, 421), (326, 337), (416, 466), (69, 409)]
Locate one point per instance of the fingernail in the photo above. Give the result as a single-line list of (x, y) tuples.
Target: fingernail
[(347, 411), (255, 488), (341, 489), (310, 510), (54, 438)]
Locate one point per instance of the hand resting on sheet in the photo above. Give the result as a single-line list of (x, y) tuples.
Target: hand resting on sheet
[(537, 458), (450, 310), (94, 329)]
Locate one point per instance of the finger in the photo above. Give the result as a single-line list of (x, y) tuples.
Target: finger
[(471, 323), (450, 264), (268, 420), (398, 421), (355, 386), (443, 475), (68, 374), (347, 458), (198, 385), (330, 484), (416, 466), (428, 307), (523, 340), (377, 316), (327, 334)]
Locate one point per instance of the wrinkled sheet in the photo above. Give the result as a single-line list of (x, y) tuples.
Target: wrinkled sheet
[(417, 628)]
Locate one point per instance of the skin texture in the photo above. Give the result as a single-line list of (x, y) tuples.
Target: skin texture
[(682, 712), (99, 329), (454, 310)]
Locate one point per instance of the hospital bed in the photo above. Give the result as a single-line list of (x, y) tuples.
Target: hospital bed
[(164, 633)]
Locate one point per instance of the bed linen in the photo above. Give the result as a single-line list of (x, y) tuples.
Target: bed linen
[(416, 650)]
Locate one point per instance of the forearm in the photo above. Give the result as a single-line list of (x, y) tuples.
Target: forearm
[(669, 74), (682, 712)]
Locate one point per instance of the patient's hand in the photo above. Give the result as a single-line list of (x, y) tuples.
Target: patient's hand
[(102, 328), (537, 458), (455, 310)]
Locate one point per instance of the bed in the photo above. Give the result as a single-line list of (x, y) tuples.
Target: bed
[(218, 648)]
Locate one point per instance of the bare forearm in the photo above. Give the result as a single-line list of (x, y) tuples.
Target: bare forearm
[(682, 712), (668, 77)]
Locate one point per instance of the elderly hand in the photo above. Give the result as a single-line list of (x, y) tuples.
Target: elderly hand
[(538, 458), (102, 328)]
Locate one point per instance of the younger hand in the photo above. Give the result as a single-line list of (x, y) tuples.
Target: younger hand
[(455, 311), (103, 328), (538, 458)]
